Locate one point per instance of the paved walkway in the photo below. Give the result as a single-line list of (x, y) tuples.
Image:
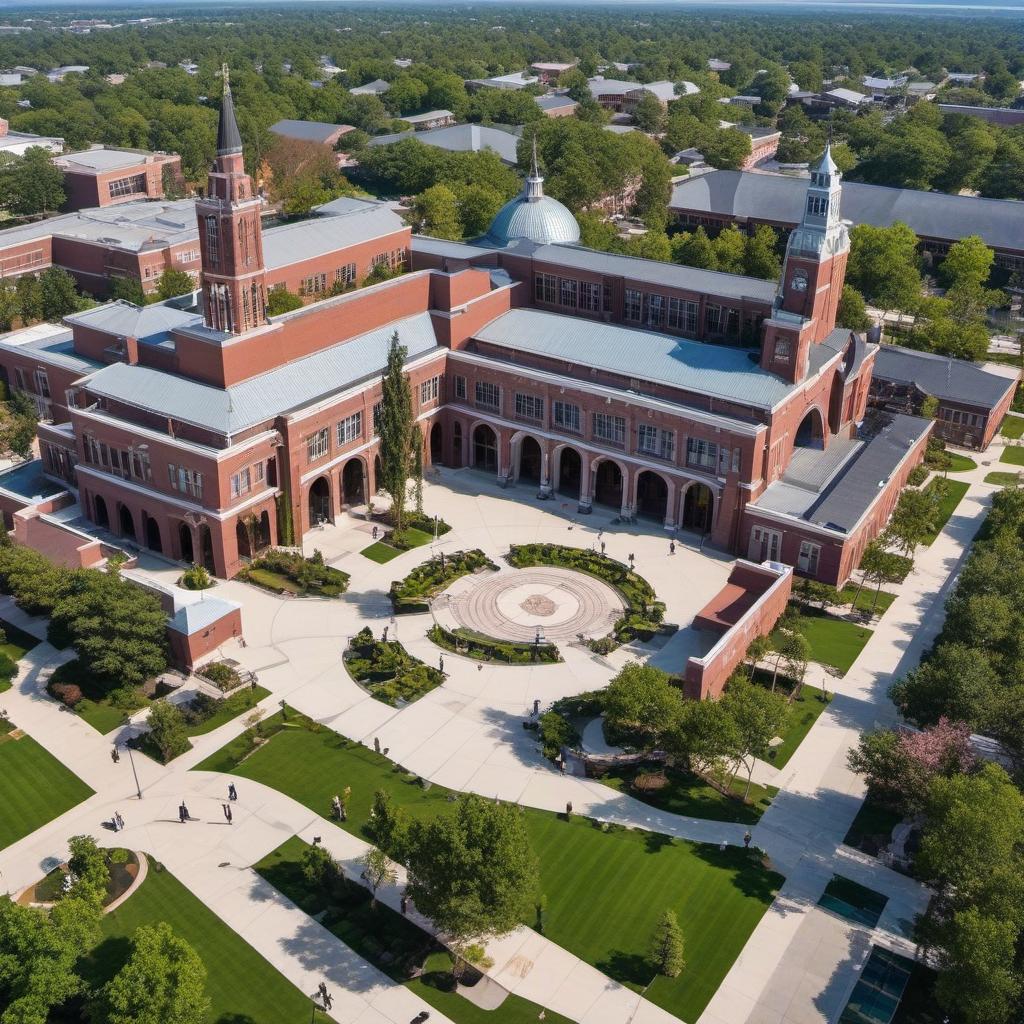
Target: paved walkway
[(467, 734)]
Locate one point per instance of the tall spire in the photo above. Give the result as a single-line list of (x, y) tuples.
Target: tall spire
[(229, 141), (534, 183)]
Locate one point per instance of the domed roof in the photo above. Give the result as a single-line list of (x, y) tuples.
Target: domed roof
[(533, 216)]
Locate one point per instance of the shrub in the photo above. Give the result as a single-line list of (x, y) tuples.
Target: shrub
[(556, 731), (310, 575), (67, 693), (196, 577), (487, 649), (414, 592), (388, 671), (223, 676)]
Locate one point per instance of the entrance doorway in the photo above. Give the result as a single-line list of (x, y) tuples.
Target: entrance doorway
[(126, 521), (185, 543), (608, 485), (652, 496), (102, 515), (153, 541), (531, 460), (765, 545), (242, 539), (352, 490), (570, 473), (698, 506), (485, 449), (436, 445), (319, 501)]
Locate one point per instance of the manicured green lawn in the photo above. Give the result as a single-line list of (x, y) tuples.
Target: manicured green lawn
[(34, 786), (953, 493), (833, 641), (1013, 426), (1002, 479), (11, 652), (372, 931), (959, 463), (241, 985), (866, 598), (274, 581), (1014, 456), (803, 713), (103, 716), (381, 551), (231, 707), (606, 890), (692, 797)]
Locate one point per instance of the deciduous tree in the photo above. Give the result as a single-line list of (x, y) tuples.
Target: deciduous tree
[(667, 949)]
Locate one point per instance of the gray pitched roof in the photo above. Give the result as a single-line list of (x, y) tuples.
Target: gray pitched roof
[(834, 488), (308, 131), (780, 198), (50, 344), (555, 102), (147, 323), (260, 399), (101, 159), (952, 379), (339, 225), (670, 275), (461, 138), (200, 614), (718, 370)]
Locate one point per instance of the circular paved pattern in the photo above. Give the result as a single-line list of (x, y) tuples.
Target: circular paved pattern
[(512, 605)]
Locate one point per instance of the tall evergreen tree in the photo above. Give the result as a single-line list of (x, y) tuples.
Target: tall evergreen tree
[(667, 948), (395, 429)]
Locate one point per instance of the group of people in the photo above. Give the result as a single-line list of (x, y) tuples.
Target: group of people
[(183, 814)]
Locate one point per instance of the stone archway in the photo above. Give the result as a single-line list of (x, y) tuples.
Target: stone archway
[(531, 460), (456, 444), (242, 539), (608, 484), (652, 496), (570, 472), (378, 472), (698, 508), (485, 448), (811, 432), (319, 501), (437, 444), (206, 548), (185, 543), (126, 521), (101, 513), (263, 531), (153, 541), (353, 488)]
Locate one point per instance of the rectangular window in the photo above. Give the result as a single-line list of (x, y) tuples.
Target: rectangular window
[(313, 285), (345, 275), (590, 296), (808, 559), (529, 407), (42, 384), (736, 452), (654, 310), (259, 472), (317, 445), (682, 315), (783, 350), (546, 288), (376, 416), (701, 454), (488, 396), (212, 240), (713, 319), (241, 483), (653, 441), (567, 416), (460, 387), (817, 205), (19, 378), (430, 390), (610, 429), (120, 187), (350, 429), (606, 298), (567, 292), (633, 307)]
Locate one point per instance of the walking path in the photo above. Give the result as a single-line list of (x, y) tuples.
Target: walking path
[(799, 963)]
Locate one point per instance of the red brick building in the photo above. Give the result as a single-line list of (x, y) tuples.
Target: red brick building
[(103, 176), (726, 406)]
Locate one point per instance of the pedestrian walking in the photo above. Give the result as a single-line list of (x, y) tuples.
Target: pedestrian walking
[(404, 903), (114, 755), (746, 839), (672, 547), (374, 534), (227, 812), (232, 792), (336, 806), (119, 820), (602, 547), (328, 1001), (182, 813), (440, 662), (536, 706), (113, 821), (376, 745), (322, 989)]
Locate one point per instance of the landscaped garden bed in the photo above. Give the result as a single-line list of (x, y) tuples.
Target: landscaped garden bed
[(287, 572), (387, 670), (123, 868), (644, 612), (203, 713), (103, 709), (413, 593), (14, 644), (486, 648), (224, 676), (605, 887), (948, 494), (417, 529)]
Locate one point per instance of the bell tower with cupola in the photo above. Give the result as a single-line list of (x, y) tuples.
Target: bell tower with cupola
[(812, 276), (230, 235)]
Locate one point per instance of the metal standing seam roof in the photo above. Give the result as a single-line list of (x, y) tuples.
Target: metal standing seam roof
[(780, 198), (334, 229), (200, 614), (374, 88), (847, 95), (554, 102), (713, 370), (98, 160), (461, 138), (616, 87), (130, 321), (48, 343), (279, 391), (954, 380), (308, 131), (669, 275)]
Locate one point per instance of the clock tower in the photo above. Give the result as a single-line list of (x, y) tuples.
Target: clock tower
[(812, 276)]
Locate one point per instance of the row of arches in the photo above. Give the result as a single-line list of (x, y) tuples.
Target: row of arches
[(354, 490), (652, 495)]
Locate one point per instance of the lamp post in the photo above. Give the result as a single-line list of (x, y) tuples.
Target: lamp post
[(131, 758)]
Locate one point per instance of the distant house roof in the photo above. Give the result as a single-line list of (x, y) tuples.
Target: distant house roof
[(995, 115), (921, 88), (847, 95), (517, 80), (780, 199), (101, 159), (963, 76), (554, 66), (430, 115), (374, 88), (665, 91), (364, 220), (555, 102), (953, 380), (311, 131), (884, 84), (461, 138), (714, 64), (834, 488), (283, 389), (718, 370), (201, 614)]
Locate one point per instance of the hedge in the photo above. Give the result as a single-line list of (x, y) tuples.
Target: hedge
[(484, 648), (413, 593), (387, 670)]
